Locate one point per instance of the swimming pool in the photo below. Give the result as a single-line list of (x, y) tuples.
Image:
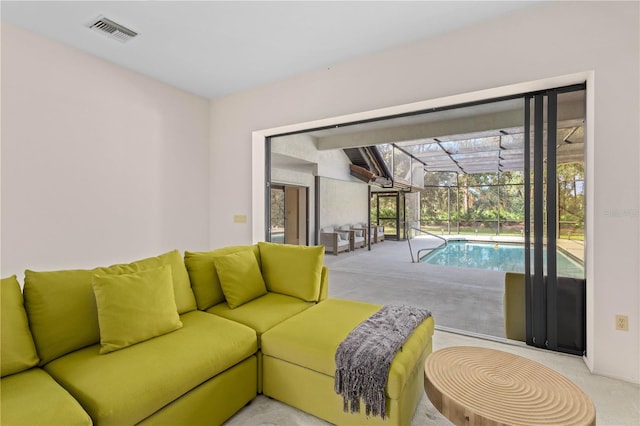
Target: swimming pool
[(508, 257)]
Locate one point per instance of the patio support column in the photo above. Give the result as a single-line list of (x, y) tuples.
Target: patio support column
[(457, 203), (449, 208)]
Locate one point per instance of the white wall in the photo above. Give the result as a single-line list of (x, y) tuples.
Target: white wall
[(99, 164), (595, 40)]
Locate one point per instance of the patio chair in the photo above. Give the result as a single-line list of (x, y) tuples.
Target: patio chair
[(334, 241), (351, 235), (369, 236), (379, 233), (357, 236)]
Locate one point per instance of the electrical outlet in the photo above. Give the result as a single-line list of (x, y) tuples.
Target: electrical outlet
[(622, 322)]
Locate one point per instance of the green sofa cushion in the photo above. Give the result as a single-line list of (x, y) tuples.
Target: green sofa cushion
[(292, 270), (240, 277), (330, 322), (127, 386), (17, 350), (185, 300), (214, 401), (204, 278), (34, 398), (62, 311), (134, 307), (62, 308), (262, 313)]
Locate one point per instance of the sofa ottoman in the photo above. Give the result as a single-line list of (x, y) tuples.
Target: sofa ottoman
[(299, 363)]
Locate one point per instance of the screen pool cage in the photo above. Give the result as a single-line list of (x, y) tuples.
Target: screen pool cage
[(474, 183)]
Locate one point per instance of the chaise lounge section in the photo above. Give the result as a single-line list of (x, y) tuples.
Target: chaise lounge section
[(300, 371)]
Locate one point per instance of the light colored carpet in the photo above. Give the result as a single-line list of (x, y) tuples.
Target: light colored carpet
[(264, 411)]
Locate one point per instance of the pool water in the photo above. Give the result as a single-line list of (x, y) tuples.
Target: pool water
[(508, 257)]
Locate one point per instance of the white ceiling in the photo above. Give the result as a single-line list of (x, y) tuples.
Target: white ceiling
[(214, 48)]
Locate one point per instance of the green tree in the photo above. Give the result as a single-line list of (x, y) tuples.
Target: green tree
[(571, 196)]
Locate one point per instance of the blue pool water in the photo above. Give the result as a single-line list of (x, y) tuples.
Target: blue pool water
[(508, 257)]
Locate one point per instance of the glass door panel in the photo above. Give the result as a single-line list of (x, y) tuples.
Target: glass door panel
[(570, 332), (387, 212), (289, 215), (277, 214)]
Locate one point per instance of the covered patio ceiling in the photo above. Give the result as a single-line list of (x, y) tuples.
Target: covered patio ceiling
[(483, 138), (491, 150), (480, 138)]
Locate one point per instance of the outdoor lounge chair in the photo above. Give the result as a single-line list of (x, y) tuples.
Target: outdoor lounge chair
[(356, 236), (369, 236), (334, 241)]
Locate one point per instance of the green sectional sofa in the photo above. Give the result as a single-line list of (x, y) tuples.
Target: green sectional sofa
[(176, 340)]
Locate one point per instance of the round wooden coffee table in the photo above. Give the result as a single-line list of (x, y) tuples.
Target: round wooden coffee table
[(473, 386)]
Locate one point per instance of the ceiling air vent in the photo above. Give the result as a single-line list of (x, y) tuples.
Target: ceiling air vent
[(112, 29)]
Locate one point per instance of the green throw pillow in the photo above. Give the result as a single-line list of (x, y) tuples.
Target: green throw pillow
[(203, 276), (135, 307), (61, 305), (185, 301), (62, 312), (17, 350), (240, 277), (292, 270)]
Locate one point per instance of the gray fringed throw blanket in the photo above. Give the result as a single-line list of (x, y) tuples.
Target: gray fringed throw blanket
[(364, 357)]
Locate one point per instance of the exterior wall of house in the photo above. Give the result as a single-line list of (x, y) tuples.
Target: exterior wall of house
[(541, 47), (342, 202), (99, 164), (331, 165)]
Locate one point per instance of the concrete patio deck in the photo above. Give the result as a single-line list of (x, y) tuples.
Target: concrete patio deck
[(459, 298)]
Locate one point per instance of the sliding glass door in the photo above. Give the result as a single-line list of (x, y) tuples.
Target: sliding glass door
[(554, 214)]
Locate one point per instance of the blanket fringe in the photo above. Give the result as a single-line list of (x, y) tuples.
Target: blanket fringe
[(363, 359)]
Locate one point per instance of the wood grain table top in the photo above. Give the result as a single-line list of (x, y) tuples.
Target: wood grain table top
[(480, 386)]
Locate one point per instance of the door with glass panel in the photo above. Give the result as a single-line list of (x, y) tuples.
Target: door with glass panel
[(289, 214), (555, 282), (388, 214)]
